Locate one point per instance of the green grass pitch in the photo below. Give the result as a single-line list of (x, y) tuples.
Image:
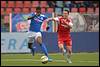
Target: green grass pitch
[(78, 59)]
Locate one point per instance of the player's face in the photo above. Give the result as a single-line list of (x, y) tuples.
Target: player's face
[(38, 12), (65, 14)]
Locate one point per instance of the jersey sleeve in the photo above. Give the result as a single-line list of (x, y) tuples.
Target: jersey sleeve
[(56, 18), (70, 23)]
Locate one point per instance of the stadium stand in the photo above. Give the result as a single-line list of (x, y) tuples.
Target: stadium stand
[(11, 4), (2, 11), (33, 9), (83, 7), (97, 10), (25, 10), (43, 4), (18, 3), (27, 3), (8, 10), (43, 10), (3, 4), (59, 3), (82, 10), (90, 10), (58, 10), (74, 6), (50, 10), (35, 3), (17, 10), (74, 9), (6, 19)]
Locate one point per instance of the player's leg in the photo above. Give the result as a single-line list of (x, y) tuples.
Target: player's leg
[(31, 41), (61, 46), (69, 50), (42, 45)]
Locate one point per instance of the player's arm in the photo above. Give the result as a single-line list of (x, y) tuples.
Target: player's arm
[(52, 19), (47, 21), (70, 24), (29, 18)]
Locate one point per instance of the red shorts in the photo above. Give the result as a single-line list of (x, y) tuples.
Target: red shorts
[(64, 39)]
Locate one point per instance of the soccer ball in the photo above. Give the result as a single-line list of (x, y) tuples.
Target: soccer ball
[(44, 59)]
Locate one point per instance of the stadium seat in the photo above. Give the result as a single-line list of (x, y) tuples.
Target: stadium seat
[(50, 10), (90, 10), (82, 10), (48, 15), (43, 10), (58, 10), (17, 10), (77, 2), (8, 10), (11, 4), (18, 3), (74, 9), (6, 19), (3, 28), (97, 11), (59, 3), (33, 9), (27, 3), (35, 3), (3, 4), (25, 10), (2, 11), (43, 4)]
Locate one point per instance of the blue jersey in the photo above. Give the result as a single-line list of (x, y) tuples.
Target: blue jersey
[(36, 22)]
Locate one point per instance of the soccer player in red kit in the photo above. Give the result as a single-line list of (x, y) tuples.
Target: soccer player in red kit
[(64, 26)]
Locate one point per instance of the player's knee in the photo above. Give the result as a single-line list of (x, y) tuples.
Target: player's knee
[(60, 46), (69, 49), (39, 40)]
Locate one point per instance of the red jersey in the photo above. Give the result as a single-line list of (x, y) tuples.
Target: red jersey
[(62, 22), (64, 32)]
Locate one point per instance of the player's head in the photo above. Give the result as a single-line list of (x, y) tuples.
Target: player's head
[(38, 10), (65, 13)]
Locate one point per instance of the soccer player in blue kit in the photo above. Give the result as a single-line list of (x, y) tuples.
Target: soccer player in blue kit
[(34, 32)]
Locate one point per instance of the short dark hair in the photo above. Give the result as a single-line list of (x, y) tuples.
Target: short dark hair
[(67, 11), (38, 8)]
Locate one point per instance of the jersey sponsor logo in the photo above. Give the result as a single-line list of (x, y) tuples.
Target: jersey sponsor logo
[(38, 20)]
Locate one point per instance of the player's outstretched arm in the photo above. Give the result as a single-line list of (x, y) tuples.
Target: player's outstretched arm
[(45, 23), (51, 19), (29, 18)]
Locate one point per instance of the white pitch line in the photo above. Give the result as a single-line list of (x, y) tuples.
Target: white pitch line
[(40, 60)]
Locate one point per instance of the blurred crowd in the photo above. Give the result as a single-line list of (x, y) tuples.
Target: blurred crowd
[(71, 4)]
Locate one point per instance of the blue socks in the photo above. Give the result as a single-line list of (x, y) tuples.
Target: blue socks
[(44, 49)]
